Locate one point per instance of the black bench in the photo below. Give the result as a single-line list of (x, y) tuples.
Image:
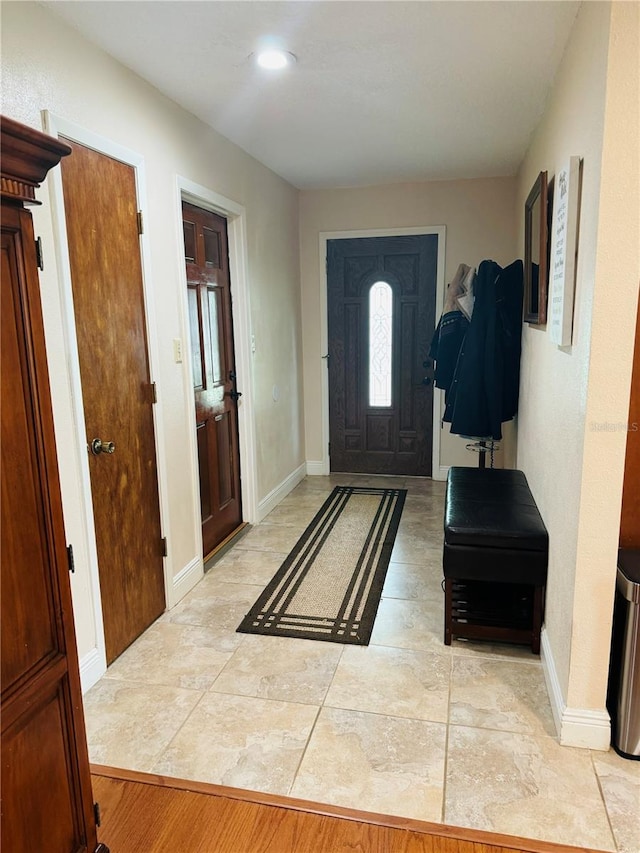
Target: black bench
[(495, 558)]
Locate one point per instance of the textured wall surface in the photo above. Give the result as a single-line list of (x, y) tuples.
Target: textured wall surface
[(478, 215), (570, 396), (47, 65)]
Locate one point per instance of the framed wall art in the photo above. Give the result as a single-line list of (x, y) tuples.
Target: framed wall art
[(536, 252), (564, 247)]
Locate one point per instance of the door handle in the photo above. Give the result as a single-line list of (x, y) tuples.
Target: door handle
[(235, 394), (98, 446)]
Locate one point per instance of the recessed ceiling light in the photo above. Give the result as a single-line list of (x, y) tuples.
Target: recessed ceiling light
[(273, 60)]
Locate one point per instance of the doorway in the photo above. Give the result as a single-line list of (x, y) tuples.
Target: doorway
[(381, 298), (103, 235), (214, 373)]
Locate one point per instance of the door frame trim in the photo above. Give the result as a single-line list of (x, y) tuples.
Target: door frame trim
[(56, 125), (236, 216), (413, 231)]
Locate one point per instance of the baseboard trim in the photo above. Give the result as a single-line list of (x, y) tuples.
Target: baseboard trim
[(585, 728), (551, 679), (316, 469), (185, 580), (92, 667), (280, 492), (580, 727)]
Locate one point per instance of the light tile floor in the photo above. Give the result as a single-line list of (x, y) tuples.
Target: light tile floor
[(406, 726)]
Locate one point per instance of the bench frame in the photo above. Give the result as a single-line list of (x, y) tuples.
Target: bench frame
[(470, 631), (494, 558)]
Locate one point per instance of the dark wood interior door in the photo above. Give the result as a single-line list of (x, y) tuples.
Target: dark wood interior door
[(214, 373), (45, 783), (106, 273), (381, 310)]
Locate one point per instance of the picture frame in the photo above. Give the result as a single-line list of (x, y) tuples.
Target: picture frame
[(536, 252), (564, 232)]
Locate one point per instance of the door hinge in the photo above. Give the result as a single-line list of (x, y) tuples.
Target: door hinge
[(163, 542), (154, 393), (70, 560), (140, 223), (39, 254), (96, 813)]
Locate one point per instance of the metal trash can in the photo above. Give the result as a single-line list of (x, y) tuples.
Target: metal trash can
[(623, 695)]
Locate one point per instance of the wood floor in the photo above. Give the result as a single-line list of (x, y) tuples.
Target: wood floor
[(143, 813)]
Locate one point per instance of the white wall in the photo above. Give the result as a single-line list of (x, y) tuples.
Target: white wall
[(478, 215), (574, 468), (46, 65)]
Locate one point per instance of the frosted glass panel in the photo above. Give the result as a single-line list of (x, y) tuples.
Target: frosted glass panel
[(214, 333), (380, 343), (194, 334)]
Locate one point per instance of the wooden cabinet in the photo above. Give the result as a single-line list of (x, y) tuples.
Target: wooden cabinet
[(47, 802), (630, 521)]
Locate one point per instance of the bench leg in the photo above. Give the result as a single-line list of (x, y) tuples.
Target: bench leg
[(538, 599), (448, 610)]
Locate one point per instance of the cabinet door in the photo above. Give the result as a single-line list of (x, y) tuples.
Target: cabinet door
[(630, 520), (45, 785)]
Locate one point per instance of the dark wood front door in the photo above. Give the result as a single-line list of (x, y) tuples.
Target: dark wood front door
[(214, 373), (106, 274), (381, 310)]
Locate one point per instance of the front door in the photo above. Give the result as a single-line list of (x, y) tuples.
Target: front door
[(214, 377), (106, 275), (381, 294)]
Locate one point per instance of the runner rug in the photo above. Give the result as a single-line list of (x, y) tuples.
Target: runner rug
[(329, 586)]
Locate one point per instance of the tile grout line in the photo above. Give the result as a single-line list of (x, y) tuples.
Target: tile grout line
[(461, 655), (231, 657), (304, 751), (604, 801), (313, 727), (446, 746), (161, 751), (175, 735)]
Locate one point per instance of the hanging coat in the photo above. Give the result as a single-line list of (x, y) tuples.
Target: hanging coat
[(485, 386), (445, 347), (452, 327)]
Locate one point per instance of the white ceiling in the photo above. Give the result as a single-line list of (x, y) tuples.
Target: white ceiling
[(382, 91)]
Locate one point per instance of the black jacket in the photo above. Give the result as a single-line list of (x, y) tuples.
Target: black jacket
[(484, 390), (445, 347)]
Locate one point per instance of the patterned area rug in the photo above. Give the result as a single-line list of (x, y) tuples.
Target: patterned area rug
[(329, 586)]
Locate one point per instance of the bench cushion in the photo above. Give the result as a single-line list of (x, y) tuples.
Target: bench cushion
[(492, 508), (499, 565)]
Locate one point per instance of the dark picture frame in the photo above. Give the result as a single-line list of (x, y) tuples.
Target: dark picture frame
[(536, 252)]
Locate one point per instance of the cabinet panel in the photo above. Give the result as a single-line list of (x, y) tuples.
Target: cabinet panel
[(630, 521), (47, 802), (28, 627), (35, 748)]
